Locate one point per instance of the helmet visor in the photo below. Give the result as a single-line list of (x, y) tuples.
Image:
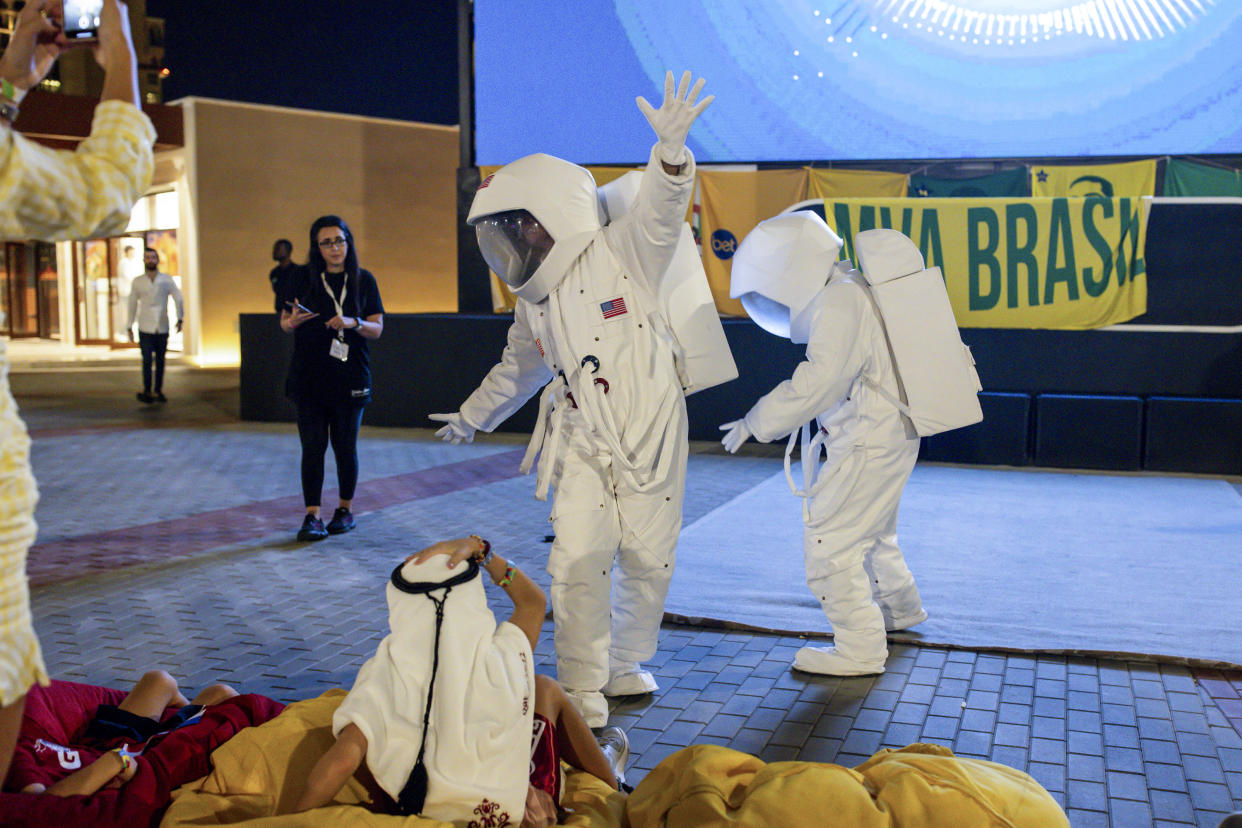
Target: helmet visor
[(767, 313), (513, 244)]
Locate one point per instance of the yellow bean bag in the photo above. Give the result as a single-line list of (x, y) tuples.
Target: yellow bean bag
[(259, 774), (920, 786)]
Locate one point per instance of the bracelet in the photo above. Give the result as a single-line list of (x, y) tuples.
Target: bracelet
[(510, 571), (481, 556), (8, 90), (127, 761)]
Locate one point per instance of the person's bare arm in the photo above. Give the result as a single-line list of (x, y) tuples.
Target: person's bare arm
[(334, 768), (35, 43), (94, 776), (290, 319), (529, 602), (371, 327), (115, 54)]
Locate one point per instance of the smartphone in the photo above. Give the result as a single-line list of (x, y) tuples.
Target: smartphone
[(82, 19), (299, 306)]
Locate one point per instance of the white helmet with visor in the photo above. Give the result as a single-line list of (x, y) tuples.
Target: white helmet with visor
[(778, 269), (533, 217)]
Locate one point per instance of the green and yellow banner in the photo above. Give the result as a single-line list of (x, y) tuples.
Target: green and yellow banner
[(1069, 263), (856, 184), (1188, 178), (732, 203), (1132, 178)]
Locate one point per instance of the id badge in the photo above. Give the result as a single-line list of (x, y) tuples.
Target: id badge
[(339, 350)]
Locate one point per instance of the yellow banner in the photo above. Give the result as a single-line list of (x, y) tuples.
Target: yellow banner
[(503, 300), (1065, 263), (856, 184), (1133, 179), (732, 203)]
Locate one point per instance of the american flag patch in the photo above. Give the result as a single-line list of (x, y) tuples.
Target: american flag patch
[(539, 345), (487, 181), (613, 307)]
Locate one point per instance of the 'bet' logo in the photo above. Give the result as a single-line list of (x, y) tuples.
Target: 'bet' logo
[(724, 244)]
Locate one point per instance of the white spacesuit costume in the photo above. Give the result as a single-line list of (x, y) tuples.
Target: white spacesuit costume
[(853, 564), (612, 425)]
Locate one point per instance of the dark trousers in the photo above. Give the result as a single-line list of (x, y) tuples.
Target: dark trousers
[(318, 424), (153, 347)]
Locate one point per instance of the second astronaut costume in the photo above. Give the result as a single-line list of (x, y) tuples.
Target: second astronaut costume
[(612, 428), (853, 563)]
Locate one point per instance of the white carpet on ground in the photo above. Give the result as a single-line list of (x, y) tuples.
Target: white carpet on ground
[(1015, 560)]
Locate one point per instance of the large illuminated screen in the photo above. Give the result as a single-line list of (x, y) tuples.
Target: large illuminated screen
[(863, 79)]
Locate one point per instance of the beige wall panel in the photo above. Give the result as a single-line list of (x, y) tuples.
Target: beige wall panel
[(264, 173)]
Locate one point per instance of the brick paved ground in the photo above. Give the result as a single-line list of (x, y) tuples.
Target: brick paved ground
[(166, 541)]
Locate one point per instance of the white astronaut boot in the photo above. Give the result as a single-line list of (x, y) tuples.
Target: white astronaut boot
[(628, 678), (859, 647), (591, 705), (893, 586)]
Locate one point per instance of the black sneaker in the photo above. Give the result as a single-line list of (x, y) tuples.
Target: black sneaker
[(312, 529), (159, 397), (342, 521), (144, 397)]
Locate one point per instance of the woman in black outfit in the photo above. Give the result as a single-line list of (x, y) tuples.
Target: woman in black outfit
[(333, 311)]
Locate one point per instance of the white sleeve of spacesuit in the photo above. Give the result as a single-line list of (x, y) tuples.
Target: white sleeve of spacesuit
[(646, 237), (512, 381), (835, 356)]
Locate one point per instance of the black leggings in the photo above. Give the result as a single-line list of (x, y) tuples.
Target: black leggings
[(319, 422)]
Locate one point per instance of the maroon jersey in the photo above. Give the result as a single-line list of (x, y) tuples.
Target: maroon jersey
[(545, 763)]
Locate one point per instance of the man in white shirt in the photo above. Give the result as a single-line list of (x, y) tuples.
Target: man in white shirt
[(148, 305)]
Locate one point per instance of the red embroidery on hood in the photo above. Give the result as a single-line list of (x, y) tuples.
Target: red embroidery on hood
[(492, 816)]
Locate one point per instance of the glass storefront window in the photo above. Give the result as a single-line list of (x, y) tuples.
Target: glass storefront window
[(49, 290)]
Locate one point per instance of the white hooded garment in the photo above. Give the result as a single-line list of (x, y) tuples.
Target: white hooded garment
[(477, 752)]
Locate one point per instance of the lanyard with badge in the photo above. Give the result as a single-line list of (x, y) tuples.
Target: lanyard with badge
[(339, 348)]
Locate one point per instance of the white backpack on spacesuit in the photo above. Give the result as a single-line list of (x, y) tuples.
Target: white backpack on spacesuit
[(684, 299), (935, 371)]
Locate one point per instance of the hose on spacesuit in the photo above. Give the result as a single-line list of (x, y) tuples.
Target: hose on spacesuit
[(590, 399), (545, 438), (811, 447)]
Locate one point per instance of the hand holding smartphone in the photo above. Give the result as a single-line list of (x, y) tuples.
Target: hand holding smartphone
[(82, 20)]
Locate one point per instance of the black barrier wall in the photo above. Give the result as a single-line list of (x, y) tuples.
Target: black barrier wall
[(1077, 399), (1121, 399)]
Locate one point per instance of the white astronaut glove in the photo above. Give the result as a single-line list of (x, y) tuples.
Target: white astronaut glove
[(738, 434), (457, 431), (672, 120)]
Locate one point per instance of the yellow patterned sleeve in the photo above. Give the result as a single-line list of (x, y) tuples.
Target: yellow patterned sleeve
[(85, 193), (21, 660)]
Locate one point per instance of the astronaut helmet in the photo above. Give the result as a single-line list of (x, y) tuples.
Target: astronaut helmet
[(532, 218), (779, 267)]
